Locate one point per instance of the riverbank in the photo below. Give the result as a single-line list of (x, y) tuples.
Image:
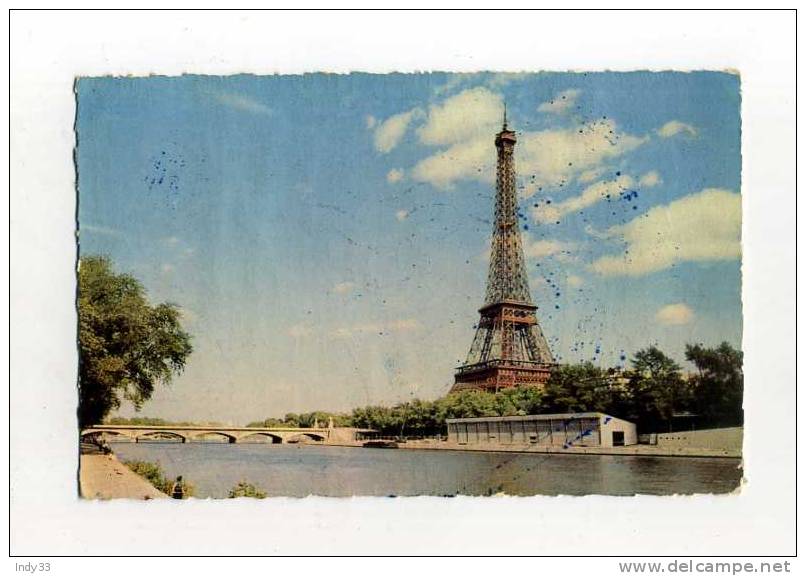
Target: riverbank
[(634, 450), (103, 476)]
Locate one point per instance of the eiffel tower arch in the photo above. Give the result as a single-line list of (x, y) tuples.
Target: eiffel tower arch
[(509, 348)]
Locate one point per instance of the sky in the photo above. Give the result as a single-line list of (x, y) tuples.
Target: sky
[(327, 236)]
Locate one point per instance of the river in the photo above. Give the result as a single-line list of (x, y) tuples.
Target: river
[(301, 470)]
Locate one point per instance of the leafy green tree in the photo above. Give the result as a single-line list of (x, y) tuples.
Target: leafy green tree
[(305, 420), (579, 388), (139, 421), (417, 418), (719, 383), (268, 423), (291, 420), (521, 401), (656, 389), (468, 404), (126, 345), (381, 418)]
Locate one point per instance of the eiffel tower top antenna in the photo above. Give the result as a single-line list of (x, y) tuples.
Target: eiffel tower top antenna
[(505, 115)]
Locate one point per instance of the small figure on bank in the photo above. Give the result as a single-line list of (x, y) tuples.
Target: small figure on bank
[(178, 490)]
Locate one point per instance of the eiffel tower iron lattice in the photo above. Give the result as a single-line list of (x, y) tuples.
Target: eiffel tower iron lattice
[(509, 348)]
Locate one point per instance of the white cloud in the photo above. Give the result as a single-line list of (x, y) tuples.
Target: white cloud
[(344, 287), (394, 175), (401, 215), (455, 80), (675, 315), (676, 127), (705, 226), (590, 175), (574, 281), (545, 158), (370, 121), (650, 179), (561, 103), (464, 126), (591, 195), (471, 113), (543, 248), (242, 103), (556, 156), (389, 132), (591, 231), (474, 159)]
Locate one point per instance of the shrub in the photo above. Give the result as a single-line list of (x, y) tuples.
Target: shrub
[(246, 490), (153, 472)]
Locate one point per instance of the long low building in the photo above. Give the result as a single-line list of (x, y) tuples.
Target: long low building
[(574, 429)]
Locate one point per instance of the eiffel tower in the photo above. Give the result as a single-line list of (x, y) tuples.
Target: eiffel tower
[(509, 348)]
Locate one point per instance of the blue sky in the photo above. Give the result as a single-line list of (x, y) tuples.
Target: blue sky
[(327, 235)]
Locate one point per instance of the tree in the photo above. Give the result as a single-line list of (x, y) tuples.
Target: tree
[(126, 345), (468, 404), (380, 418), (656, 388), (579, 388), (719, 383)]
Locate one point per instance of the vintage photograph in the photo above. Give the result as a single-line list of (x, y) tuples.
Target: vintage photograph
[(421, 284)]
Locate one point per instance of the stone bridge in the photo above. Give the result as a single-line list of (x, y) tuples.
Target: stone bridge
[(232, 435)]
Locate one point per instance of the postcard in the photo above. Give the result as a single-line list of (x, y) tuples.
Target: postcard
[(411, 284)]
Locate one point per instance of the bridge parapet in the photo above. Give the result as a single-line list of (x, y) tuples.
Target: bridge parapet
[(196, 433)]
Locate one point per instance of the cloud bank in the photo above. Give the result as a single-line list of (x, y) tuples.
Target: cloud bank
[(701, 227)]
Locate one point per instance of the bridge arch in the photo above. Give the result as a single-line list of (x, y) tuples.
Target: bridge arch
[(94, 434), (206, 435), (155, 435), (305, 437), (274, 438)]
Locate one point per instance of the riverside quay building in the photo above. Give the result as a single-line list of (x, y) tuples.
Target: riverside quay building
[(577, 429)]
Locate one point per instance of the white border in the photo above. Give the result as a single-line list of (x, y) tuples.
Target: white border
[(49, 49)]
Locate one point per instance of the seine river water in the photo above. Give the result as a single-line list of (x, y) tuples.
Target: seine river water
[(301, 470)]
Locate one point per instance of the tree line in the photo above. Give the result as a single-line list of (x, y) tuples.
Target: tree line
[(653, 393)]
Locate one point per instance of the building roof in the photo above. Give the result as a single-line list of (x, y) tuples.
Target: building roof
[(566, 416)]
